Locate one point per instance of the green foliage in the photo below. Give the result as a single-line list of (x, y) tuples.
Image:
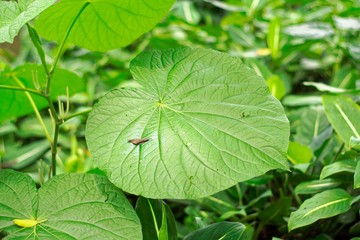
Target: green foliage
[(208, 126), (101, 25), (63, 206), (308, 53), (15, 14)]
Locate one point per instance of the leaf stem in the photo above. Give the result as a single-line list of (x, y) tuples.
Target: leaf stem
[(154, 218), (33, 105), (77, 114), (22, 89)]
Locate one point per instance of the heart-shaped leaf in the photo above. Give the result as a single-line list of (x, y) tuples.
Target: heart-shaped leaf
[(103, 24), (72, 206), (14, 14), (202, 122), (16, 104)]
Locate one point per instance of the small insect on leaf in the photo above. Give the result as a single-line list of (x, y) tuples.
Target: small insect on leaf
[(138, 141), (26, 223)]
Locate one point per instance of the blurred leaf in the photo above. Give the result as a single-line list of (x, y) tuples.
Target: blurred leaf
[(313, 129), (354, 143), (299, 153), (187, 11), (310, 30), (347, 24), (273, 37), (276, 211), (347, 165), (344, 115), (25, 155), (326, 88), (299, 100), (14, 15), (315, 186), (226, 6), (354, 50), (345, 78), (357, 175), (240, 36), (322, 205), (101, 25), (16, 104), (276, 86), (150, 210), (223, 231)]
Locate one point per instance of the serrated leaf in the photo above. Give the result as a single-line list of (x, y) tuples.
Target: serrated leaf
[(322, 205), (223, 231), (210, 119), (14, 15), (344, 115), (16, 104), (101, 25), (73, 206), (315, 186), (347, 165)]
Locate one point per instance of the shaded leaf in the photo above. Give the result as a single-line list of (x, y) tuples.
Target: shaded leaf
[(315, 186), (223, 231), (211, 120), (357, 176)]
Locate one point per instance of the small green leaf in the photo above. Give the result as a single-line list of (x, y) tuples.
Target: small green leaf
[(223, 231), (14, 15), (276, 211), (273, 37), (15, 103), (344, 115), (357, 176), (337, 167), (210, 119), (276, 86), (151, 210), (315, 186), (103, 24), (322, 205), (299, 153), (74, 206)]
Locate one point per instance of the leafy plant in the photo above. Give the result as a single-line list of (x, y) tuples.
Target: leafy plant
[(205, 130)]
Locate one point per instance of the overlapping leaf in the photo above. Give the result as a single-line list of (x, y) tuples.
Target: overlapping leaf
[(103, 24), (75, 206), (210, 120)]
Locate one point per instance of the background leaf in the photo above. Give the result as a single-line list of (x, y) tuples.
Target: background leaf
[(223, 231), (103, 24), (344, 115), (210, 119), (16, 104), (347, 165), (322, 205), (75, 206), (315, 186), (14, 15)]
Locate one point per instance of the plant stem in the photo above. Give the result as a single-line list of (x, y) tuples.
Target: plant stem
[(60, 50), (22, 89), (77, 114), (33, 105)]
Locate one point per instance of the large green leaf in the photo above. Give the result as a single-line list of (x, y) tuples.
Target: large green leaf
[(74, 206), (14, 14), (103, 24), (16, 104), (222, 230), (344, 115), (322, 205), (210, 121)]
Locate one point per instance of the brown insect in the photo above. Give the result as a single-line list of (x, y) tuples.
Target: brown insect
[(138, 141)]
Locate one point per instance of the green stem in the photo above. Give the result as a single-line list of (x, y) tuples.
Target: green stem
[(76, 114), (33, 105), (22, 89), (54, 149), (60, 50)]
